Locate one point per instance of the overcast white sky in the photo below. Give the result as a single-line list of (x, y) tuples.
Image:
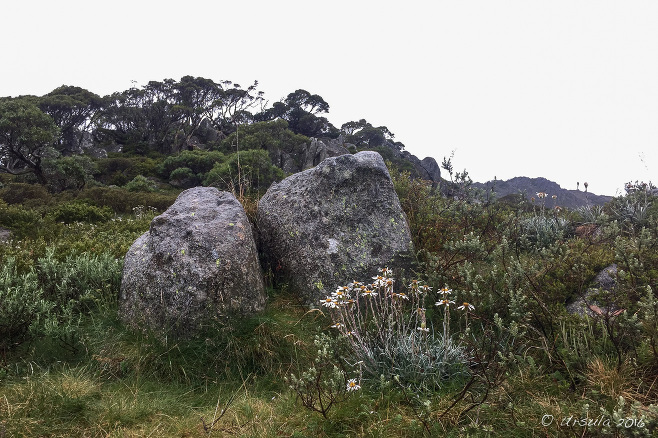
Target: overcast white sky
[(567, 90)]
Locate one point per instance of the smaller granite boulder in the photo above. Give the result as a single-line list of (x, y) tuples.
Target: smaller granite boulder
[(197, 261), (5, 235), (606, 280)]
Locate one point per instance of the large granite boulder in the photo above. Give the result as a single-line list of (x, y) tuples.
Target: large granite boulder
[(332, 224), (197, 261)]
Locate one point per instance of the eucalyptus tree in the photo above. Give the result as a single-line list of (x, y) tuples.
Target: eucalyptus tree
[(166, 115), (364, 133), (27, 136), (144, 118), (302, 110), (73, 110)]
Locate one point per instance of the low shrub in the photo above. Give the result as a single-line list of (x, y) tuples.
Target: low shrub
[(120, 200), (70, 212), (22, 193), (82, 278), (141, 184), (120, 170), (198, 162), (18, 218), (184, 177), (244, 172), (539, 232)]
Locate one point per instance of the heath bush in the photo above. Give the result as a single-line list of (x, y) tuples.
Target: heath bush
[(18, 218), (243, 172), (198, 162), (80, 212), (22, 193), (120, 200), (141, 184)]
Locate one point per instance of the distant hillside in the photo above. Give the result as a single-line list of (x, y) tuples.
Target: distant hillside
[(531, 186)]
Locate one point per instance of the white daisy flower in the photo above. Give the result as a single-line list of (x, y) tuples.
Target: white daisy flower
[(445, 291), (328, 302), (341, 293), (368, 293), (352, 385)]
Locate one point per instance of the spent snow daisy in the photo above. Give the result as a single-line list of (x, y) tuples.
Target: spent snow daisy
[(352, 385), (466, 306), (445, 302)]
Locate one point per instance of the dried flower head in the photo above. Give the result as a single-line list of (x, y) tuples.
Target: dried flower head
[(466, 306)]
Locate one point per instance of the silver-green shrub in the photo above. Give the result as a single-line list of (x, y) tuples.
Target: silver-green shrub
[(22, 307), (542, 231), (389, 335)]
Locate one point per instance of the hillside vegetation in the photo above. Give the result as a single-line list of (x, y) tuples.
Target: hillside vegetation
[(495, 351)]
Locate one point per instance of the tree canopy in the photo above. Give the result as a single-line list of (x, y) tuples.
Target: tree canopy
[(164, 117), (27, 136)]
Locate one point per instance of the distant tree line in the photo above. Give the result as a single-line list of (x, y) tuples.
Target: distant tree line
[(44, 136)]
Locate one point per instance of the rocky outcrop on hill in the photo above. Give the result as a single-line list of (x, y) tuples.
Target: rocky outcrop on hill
[(529, 187), (332, 224), (197, 261), (309, 155), (318, 150), (427, 168)]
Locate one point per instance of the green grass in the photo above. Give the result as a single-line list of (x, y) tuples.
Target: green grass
[(127, 384), (87, 375)]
